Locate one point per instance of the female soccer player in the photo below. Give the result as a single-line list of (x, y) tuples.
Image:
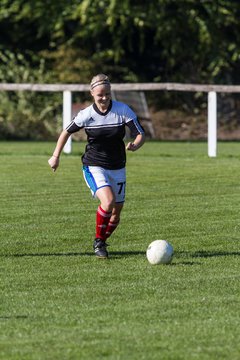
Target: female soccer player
[(104, 159)]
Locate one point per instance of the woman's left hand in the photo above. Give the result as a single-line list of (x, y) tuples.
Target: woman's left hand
[(131, 146)]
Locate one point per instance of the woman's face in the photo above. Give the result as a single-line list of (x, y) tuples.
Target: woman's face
[(102, 96)]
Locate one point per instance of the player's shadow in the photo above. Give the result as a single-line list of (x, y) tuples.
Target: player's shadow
[(13, 317), (112, 254), (183, 257), (42, 254), (124, 254)]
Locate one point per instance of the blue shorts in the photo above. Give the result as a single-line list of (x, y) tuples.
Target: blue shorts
[(97, 177)]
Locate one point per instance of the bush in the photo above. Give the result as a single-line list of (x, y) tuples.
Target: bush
[(24, 114)]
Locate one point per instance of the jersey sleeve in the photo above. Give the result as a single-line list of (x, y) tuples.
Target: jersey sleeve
[(79, 121), (135, 127), (132, 122), (72, 127)]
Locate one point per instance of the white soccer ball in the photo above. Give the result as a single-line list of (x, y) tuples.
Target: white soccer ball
[(159, 252)]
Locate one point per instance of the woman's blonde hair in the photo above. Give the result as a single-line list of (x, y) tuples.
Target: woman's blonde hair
[(100, 79)]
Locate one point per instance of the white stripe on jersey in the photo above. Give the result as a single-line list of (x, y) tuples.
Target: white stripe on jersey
[(138, 126), (103, 125), (105, 134), (118, 115)]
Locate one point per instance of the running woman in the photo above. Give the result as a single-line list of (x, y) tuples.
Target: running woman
[(104, 159)]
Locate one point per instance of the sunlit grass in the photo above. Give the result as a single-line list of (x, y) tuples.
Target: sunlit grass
[(59, 302)]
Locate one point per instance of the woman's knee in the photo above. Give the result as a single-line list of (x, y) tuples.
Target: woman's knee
[(107, 204), (107, 198)]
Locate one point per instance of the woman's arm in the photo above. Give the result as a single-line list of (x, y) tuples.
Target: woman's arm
[(54, 160), (137, 143)]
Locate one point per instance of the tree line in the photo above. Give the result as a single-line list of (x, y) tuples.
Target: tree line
[(60, 41)]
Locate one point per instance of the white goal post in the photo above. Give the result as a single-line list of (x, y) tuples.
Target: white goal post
[(212, 124), (212, 121), (67, 118), (67, 90)]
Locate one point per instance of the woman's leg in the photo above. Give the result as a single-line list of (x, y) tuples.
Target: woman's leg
[(106, 198), (108, 186), (104, 211), (103, 216), (114, 220)]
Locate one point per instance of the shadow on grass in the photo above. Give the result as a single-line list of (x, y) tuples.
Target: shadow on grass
[(14, 317), (179, 255), (112, 254), (207, 254)]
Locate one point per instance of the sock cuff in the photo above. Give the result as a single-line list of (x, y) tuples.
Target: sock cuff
[(111, 223), (103, 212)]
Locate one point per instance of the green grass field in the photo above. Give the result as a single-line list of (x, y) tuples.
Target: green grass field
[(59, 302)]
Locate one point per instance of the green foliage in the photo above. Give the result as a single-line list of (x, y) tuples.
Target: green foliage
[(59, 302), (24, 114), (133, 41), (160, 40)]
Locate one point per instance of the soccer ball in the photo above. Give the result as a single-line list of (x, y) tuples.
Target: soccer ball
[(159, 252)]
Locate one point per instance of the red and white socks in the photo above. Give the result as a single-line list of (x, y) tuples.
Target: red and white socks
[(102, 220), (104, 227), (111, 227)]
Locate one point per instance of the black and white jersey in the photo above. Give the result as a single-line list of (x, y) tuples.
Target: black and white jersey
[(105, 134)]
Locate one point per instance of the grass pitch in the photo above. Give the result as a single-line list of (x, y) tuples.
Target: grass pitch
[(59, 302)]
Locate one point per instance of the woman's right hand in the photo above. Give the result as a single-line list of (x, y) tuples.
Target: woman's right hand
[(54, 162)]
